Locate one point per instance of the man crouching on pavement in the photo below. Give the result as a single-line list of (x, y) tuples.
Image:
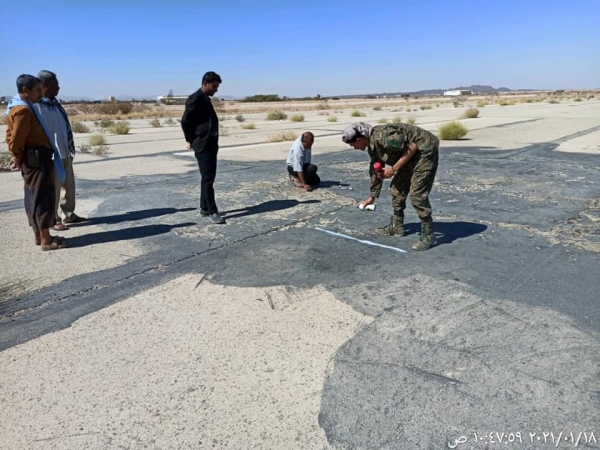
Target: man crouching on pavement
[(300, 169)]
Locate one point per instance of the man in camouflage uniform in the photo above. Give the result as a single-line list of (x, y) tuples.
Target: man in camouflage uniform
[(411, 156)]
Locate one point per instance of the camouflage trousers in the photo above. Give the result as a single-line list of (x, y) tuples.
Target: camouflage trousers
[(415, 179)]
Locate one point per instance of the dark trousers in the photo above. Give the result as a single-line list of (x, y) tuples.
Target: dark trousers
[(310, 174), (207, 163)]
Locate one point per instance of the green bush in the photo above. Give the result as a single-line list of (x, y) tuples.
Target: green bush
[(120, 128), (452, 131), (297, 118), (332, 119), (97, 139), (79, 127), (424, 107), (357, 114), (104, 123), (276, 115)]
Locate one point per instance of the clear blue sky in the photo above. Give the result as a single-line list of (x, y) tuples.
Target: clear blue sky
[(327, 47)]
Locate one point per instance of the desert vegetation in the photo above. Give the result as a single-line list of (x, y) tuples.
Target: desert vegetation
[(120, 127), (79, 127), (277, 115), (282, 136), (471, 113), (452, 131)]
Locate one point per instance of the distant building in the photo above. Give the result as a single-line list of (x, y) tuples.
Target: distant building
[(172, 99), (457, 92), (111, 99)]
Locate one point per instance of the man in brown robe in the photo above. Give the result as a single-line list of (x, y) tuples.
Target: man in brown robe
[(31, 152)]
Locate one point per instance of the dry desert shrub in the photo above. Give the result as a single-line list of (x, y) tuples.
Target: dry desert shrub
[(100, 150), (223, 131), (411, 121), (104, 124), (282, 136), (85, 148), (577, 99), (452, 131), (383, 120), (276, 115), (323, 106), (111, 109), (425, 107), (79, 127), (239, 118), (121, 127), (553, 101), (155, 123), (297, 118), (506, 102), (332, 119), (97, 139), (357, 114), (5, 162), (377, 108), (397, 119), (481, 103), (249, 126), (170, 122), (470, 113)]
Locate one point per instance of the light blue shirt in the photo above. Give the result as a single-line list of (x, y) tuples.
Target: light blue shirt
[(299, 155), (57, 126)]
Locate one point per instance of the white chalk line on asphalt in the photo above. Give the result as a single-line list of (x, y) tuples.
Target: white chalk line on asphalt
[(375, 244)]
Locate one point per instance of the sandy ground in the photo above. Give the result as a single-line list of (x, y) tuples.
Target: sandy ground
[(207, 364)]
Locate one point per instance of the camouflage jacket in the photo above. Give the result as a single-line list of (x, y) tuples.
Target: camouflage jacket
[(389, 142)]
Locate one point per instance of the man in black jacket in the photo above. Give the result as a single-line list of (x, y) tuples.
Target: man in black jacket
[(200, 126)]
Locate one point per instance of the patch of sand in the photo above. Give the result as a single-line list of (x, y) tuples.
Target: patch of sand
[(189, 364)]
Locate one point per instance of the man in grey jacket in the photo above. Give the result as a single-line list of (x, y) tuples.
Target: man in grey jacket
[(57, 120)]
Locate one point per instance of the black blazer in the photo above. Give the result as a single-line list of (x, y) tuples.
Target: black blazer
[(196, 119)]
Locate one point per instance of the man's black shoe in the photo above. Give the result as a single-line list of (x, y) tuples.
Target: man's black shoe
[(204, 213), (216, 218)]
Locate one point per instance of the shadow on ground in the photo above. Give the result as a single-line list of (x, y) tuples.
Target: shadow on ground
[(448, 232), (270, 206), (131, 216), (123, 235)]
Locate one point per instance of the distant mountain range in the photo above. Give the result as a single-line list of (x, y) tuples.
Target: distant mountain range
[(476, 88)]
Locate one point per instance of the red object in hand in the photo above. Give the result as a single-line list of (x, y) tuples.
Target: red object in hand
[(377, 167)]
